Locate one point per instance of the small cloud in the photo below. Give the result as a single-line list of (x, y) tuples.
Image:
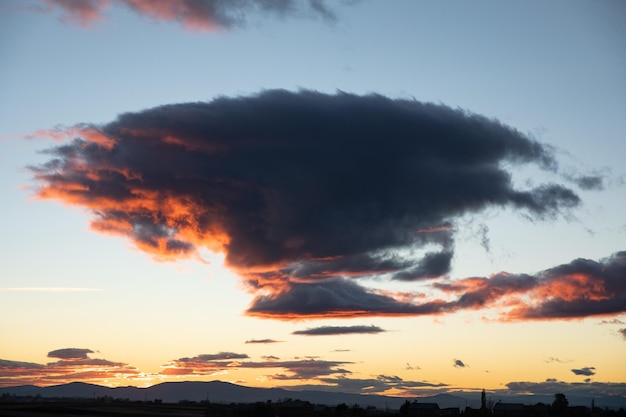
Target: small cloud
[(410, 367), (586, 371), (70, 353), (271, 358), (342, 350), (221, 356), (589, 182), (389, 378), (613, 321), (557, 360), (623, 333), (262, 341), (458, 363), (336, 330)]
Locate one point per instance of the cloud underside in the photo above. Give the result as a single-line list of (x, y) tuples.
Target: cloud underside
[(201, 15), (306, 192)]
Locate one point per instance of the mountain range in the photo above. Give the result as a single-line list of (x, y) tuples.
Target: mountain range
[(225, 392)]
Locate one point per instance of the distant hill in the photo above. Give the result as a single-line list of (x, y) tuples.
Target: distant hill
[(216, 391), (224, 392)]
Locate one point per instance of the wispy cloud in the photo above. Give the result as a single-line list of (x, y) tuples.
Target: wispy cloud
[(612, 321), (199, 15), (338, 330)]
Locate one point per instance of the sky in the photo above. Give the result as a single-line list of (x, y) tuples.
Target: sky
[(401, 198)]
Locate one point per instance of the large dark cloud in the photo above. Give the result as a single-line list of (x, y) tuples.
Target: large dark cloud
[(301, 190), (192, 14), (336, 330)]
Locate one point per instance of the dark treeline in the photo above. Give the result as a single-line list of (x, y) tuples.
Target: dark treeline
[(37, 406)]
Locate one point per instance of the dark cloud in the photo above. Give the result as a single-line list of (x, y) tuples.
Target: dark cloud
[(336, 298), (300, 187), (581, 288), (586, 371), (222, 356), (261, 341), (336, 330), (6, 364), (587, 182), (432, 265), (205, 15), (70, 353), (458, 363), (623, 333), (590, 182), (551, 386)]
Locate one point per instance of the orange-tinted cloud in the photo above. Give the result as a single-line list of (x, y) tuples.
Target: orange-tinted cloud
[(198, 15), (581, 288), (74, 365)]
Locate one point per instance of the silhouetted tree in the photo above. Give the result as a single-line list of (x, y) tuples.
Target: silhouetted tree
[(356, 410), (404, 408), (559, 405), (483, 400), (341, 409)]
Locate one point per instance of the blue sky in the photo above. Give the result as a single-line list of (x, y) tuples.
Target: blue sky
[(551, 71)]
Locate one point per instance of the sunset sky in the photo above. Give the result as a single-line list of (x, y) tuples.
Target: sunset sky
[(400, 198)]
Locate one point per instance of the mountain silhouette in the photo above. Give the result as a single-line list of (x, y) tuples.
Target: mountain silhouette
[(225, 392)]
